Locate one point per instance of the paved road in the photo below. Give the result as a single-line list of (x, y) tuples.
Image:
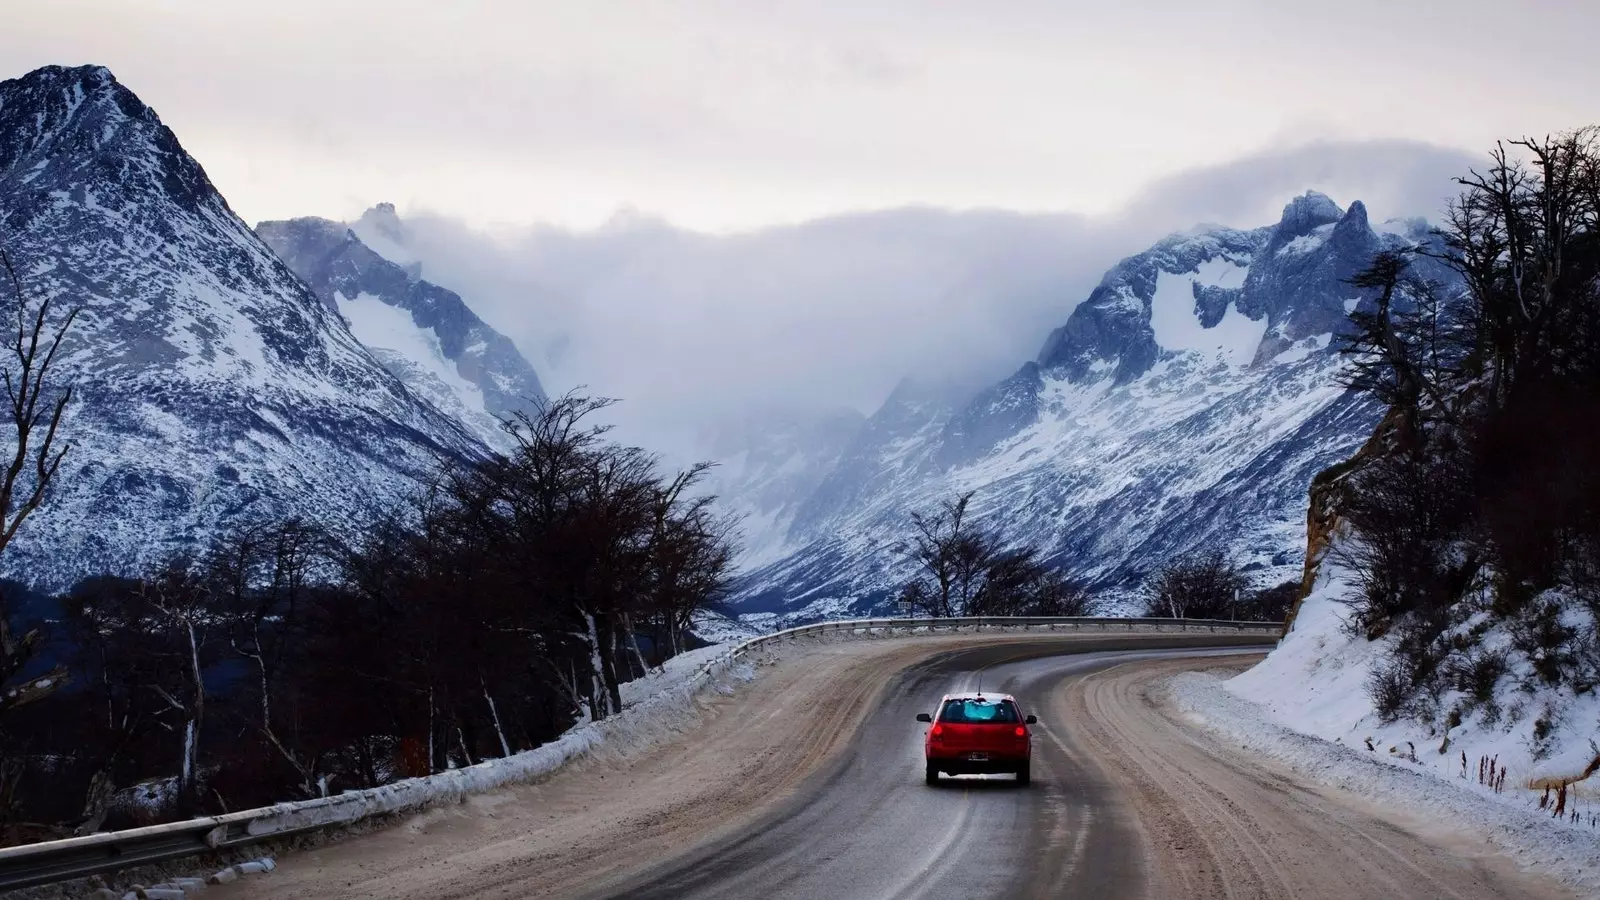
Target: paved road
[(1125, 803), (807, 783)]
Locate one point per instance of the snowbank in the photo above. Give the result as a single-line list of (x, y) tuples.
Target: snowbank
[(1568, 852), (649, 714), (1308, 704), (1315, 682)]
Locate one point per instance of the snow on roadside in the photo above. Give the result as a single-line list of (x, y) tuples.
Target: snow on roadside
[(678, 669), (1315, 682), (651, 712), (1307, 705), (1538, 843)]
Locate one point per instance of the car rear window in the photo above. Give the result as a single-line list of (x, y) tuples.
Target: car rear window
[(977, 712)]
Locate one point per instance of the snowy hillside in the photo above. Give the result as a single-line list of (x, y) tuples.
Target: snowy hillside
[(768, 464), (424, 334), (1187, 402), (1316, 682), (211, 385)]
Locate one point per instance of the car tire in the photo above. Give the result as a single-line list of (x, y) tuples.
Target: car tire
[(1024, 775), (931, 776)]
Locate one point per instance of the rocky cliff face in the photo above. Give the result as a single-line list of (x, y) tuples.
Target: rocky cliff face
[(424, 334), (212, 386), (1186, 403)]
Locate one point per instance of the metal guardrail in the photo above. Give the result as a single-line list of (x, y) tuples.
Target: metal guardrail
[(51, 862)]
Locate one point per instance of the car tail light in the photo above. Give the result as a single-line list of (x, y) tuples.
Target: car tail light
[(1022, 732), (938, 730)]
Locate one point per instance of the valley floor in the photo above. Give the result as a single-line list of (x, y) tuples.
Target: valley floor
[(806, 782)]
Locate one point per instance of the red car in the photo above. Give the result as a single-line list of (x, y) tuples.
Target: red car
[(978, 734)]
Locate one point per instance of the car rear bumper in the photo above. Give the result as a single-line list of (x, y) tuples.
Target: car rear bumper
[(994, 765)]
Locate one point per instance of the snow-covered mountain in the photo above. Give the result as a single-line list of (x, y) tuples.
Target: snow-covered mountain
[(426, 335), (1186, 403), (211, 384), (767, 464)]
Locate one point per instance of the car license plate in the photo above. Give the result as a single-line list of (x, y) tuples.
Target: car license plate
[(978, 757)]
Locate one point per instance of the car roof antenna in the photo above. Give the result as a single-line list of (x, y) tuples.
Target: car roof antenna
[(980, 683)]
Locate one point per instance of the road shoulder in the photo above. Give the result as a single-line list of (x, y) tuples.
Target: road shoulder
[(1221, 821), (1445, 812)]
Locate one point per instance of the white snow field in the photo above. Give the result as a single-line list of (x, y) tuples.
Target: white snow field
[(1177, 327)]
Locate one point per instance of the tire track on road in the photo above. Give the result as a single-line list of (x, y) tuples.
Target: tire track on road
[(1219, 824)]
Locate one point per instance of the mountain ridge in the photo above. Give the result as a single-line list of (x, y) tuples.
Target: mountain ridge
[(1186, 402), (432, 340), (210, 385)]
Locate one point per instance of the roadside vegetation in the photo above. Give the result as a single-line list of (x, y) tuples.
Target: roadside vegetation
[(1473, 514), (507, 604), (1209, 585), (963, 568)]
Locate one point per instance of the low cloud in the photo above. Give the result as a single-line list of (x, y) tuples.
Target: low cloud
[(692, 330), (1393, 178)]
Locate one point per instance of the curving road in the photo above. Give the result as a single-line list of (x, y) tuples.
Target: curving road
[(867, 826), (809, 785)]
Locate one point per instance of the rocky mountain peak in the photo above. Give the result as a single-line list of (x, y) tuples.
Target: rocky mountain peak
[(1353, 227), (383, 220), (1304, 214), (425, 334), (77, 127)]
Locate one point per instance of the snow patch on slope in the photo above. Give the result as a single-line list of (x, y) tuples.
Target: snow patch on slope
[(1177, 327), (381, 326), (1301, 349), (1308, 242)]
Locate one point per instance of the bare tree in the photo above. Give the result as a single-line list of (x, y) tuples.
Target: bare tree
[(1408, 348), (1520, 235), (1205, 585), (180, 601), (942, 546), (34, 405), (1016, 583), (258, 579), (964, 569), (34, 410)]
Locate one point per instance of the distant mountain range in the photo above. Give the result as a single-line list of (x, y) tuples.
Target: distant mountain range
[(309, 368), (1185, 404), (423, 333)]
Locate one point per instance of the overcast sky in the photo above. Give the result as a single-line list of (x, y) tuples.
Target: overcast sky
[(808, 155), (728, 114)]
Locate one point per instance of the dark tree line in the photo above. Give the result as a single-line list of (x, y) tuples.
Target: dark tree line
[(1209, 585), (1481, 491), (509, 604), (966, 569)]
